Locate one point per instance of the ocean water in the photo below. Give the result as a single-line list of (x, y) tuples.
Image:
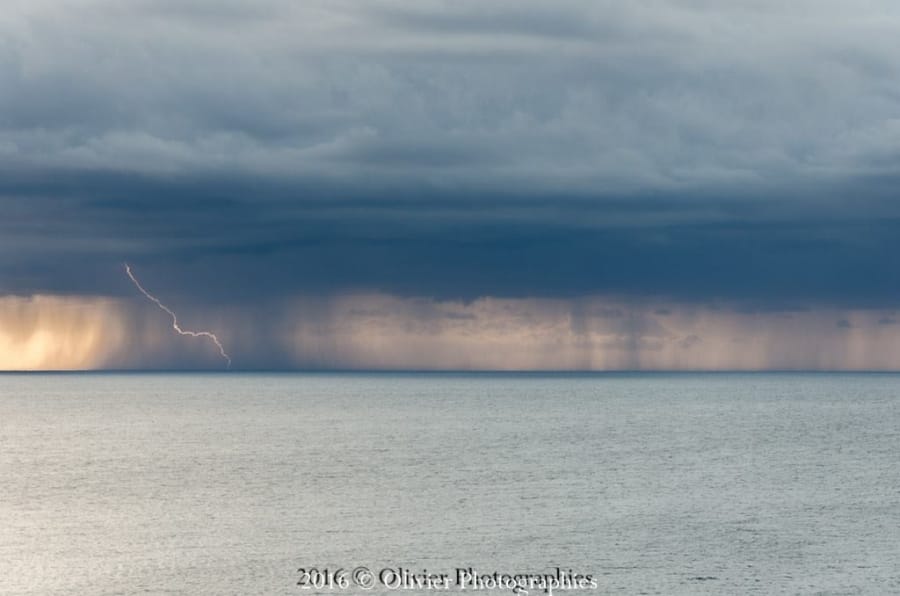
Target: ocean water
[(653, 484)]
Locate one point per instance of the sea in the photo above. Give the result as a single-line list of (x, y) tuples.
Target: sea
[(369, 483)]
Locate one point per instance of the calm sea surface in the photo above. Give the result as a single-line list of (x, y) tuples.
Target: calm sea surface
[(654, 484)]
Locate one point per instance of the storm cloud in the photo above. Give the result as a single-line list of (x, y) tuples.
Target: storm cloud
[(244, 155)]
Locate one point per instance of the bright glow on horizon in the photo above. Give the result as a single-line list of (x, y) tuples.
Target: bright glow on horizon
[(59, 333), (592, 333), (380, 331)]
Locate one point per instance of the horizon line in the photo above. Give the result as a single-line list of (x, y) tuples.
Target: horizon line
[(388, 371)]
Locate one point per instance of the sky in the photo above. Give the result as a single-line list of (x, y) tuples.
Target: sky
[(423, 184)]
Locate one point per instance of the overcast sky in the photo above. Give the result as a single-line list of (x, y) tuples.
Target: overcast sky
[(245, 156)]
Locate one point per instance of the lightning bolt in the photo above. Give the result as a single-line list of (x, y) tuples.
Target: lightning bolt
[(207, 334)]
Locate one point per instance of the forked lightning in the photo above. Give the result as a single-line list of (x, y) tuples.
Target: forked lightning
[(208, 334)]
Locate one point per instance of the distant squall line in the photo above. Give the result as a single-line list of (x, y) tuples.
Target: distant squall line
[(208, 334)]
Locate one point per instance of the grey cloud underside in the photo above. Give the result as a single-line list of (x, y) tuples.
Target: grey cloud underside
[(208, 239), (248, 151)]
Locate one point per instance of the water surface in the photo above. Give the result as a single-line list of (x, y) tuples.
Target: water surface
[(656, 484)]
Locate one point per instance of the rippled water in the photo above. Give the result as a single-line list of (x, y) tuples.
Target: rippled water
[(659, 484)]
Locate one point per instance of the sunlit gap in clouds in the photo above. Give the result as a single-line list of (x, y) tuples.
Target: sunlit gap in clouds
[(592, 333), (60, 333), (379, 331)]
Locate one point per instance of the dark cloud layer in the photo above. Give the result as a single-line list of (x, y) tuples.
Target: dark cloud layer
[(246, 152)]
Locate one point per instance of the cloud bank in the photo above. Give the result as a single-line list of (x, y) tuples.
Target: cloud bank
[(699, 156)]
